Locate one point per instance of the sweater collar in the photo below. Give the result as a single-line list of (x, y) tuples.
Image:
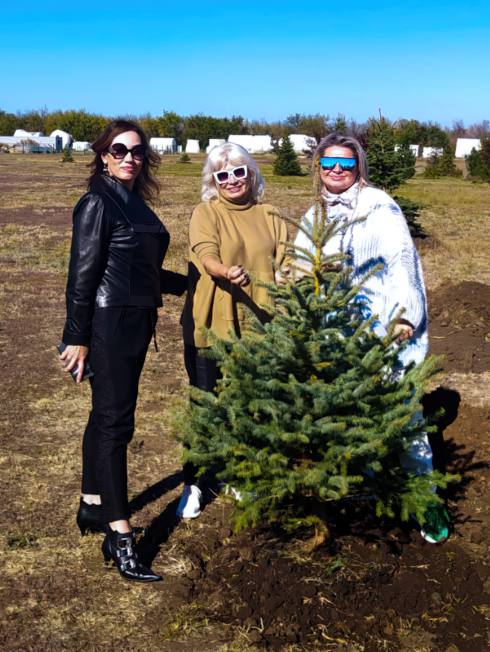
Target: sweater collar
[(348, 198), (232, 206)]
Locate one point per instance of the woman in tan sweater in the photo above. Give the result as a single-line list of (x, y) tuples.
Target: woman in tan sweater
[(234, 242)]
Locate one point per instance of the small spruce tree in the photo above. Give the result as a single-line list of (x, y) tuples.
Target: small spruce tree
[(389, 168), (67, 155), (478, 162), (442, 165), (184, 158), (286, 163), (309, 410)]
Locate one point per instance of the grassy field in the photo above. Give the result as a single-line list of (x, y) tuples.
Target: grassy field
[(54, 591)]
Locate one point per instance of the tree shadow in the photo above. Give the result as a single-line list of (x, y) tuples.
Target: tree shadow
[(441, 408)]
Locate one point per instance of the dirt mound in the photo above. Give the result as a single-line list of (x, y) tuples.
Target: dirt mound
[(459, 326), (370, 590)]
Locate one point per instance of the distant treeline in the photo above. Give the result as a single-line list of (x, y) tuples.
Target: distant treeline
[(86, 126)]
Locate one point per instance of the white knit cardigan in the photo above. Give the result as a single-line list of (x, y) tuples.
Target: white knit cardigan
[(383, 237)]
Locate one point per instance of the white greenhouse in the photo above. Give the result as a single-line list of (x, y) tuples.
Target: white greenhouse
[(427, 152), (464, 146), (81, 146), (164, 145), (214, 142), (192, 147), (66, 138), (253, 144)]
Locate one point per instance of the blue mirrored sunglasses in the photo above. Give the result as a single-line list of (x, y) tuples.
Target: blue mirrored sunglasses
[(329, 162)]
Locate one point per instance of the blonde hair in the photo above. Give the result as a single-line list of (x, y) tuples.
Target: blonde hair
[(351, 143), (218, 158)]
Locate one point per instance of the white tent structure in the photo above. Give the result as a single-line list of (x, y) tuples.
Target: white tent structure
[(29, 143), (22, 133), (464, 146), (414, 149), (66, 138), (301, 143), (214, 142), (81, 146), (427, 152), (164, 145), (192, 147), (253, 144)]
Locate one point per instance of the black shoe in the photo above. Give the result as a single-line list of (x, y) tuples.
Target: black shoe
[(89, 518), (120, 548)]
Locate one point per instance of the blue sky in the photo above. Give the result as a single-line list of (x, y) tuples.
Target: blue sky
[(428, 60)]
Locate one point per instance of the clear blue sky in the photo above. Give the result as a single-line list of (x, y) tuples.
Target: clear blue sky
[(428, 59)]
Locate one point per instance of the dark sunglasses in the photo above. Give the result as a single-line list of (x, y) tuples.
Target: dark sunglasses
[(120, 151), (223, 176), (329, 162)]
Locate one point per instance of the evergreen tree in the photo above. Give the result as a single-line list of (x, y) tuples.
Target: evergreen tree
[(478, 162), (309, 410), (286, 163), (442, 165), (67, 155), (389, 168)]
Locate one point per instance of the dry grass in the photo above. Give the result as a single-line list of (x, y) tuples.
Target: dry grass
[(55, 592)]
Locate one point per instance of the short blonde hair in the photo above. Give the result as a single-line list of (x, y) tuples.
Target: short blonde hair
[(221, 156)]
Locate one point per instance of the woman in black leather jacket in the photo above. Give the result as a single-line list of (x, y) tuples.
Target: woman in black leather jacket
[(115, 282)]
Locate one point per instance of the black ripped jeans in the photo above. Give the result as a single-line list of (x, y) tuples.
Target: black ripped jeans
[(120, 339)]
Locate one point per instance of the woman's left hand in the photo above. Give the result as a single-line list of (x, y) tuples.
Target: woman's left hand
[(402, 332)]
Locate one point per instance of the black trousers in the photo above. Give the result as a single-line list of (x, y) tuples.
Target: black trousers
[(203, 373), (120, 339)]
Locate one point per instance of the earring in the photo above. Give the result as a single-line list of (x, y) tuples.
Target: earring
[(105, 168)]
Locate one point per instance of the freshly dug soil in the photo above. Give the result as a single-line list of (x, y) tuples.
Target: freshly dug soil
[(459, 326)]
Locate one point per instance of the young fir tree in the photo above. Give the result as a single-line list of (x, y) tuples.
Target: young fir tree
[(309, 410), (389, 168), (442, 165), (286, 163), (478, 162), (67, 155)]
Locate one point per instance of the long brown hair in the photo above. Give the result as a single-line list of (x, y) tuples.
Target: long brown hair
[(145, 183)]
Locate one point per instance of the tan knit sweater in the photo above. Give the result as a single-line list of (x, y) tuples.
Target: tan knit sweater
[(251, 235)]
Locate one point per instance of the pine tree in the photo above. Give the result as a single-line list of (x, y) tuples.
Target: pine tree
[(309, 410), (286, 163), (389, 168)]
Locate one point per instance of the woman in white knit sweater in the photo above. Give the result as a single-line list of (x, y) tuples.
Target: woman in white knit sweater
[(381, 237)]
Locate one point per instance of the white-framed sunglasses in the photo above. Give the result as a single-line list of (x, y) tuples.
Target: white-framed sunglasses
[(238, 173)]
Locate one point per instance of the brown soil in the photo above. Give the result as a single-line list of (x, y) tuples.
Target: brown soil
[(459, 318)]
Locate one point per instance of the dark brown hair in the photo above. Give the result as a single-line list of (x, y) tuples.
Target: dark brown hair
[(145, 184)]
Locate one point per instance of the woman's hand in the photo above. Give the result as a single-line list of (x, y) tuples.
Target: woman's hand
[(238, 276), (74, 355), (402, 331)]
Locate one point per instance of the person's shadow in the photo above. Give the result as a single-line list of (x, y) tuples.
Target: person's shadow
[(441, 408), (160, 529)]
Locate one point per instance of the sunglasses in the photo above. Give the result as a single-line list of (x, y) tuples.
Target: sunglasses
[(120, 151), (223, 176), (329, 162)]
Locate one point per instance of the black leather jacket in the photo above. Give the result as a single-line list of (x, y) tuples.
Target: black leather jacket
[(117, 251)]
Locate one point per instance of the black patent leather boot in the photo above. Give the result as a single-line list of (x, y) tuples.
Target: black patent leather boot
[(89, 518), (120, 548)]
